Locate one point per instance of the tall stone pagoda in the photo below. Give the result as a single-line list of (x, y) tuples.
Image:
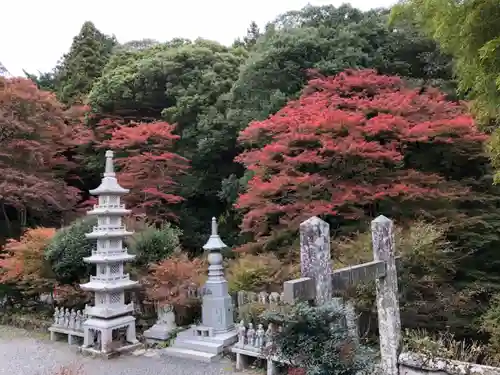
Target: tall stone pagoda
[(206, 342), (110, 327)]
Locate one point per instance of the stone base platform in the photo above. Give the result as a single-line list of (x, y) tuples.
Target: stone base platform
[(74, 337), (127, 349), (106, 327), (189, 345), (159, 333)]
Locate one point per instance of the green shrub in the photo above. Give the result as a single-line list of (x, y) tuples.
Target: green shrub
[(427, 275), (153, 245), (66, 250), (490, 323), (444, 345), (314, 339), (256, 273), (251, 312)]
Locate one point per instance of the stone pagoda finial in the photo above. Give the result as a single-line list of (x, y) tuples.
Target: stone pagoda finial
[(109, 170), (215, 245), (214, 242)]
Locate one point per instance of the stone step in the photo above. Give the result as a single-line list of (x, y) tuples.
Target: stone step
[(198, 345), (190, 354), (188, 335)]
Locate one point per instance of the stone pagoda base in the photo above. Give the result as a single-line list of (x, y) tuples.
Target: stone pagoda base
[(201, 344), (98, 336)]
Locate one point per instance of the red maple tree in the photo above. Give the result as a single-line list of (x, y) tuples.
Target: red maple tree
[(344, 147), (34, 132), (146, 165)]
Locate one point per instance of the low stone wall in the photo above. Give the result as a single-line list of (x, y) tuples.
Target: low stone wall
[(419, 364)]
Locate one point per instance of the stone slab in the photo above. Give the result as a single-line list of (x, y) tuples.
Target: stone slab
[(302, 289), (158, 333), (66, 331), (191, 354), (419, 364)]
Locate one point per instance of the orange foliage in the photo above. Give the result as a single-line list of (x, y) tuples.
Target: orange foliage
[(170, 280), (71, 295), (24, 262)]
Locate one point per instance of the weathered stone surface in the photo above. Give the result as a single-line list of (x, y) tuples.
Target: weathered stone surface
[(207, 341), (352, 275), (351, 321), (419, 364), (389, 319), (315, 256), (164, 326), (302, 289), (109, 316)]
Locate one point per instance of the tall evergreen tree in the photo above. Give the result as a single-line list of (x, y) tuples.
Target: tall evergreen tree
[(83, 64), (253, 33)]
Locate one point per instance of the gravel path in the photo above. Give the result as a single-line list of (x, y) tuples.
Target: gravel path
[(28, 353)]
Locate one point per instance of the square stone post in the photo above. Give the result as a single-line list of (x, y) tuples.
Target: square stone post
[(315, 257), (389, 320)]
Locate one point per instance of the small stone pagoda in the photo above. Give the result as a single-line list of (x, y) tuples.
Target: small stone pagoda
[(207, 341), (110, 327)]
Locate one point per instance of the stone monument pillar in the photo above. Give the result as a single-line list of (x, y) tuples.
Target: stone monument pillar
[(207, 341), (110, 327)]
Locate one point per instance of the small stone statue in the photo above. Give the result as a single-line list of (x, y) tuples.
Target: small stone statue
[(259, 341), (72, 319), (241, 334), (165, 315), (66, 318), (269, 334), (251, 335), (60, 321), (56, 316), (78, 321)]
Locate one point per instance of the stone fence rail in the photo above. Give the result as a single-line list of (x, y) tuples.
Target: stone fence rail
[(419, 364)]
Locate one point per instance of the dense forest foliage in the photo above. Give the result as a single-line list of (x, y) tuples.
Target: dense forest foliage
[(328, 111)]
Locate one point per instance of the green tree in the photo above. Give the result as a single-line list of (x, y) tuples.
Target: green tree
[(253, 33), (153, 245), (137, 45), (83, 64), (184, 83), (326, 39), (66, 250), (329, 40), (44, 81), (468, 30)]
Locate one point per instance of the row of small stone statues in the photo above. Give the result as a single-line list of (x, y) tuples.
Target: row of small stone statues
[(72, 320), (254, 339)]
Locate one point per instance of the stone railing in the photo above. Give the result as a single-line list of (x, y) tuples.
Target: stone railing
[(108, 205), (124, 277), (108, 227), (119, 251), (419, 364)]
